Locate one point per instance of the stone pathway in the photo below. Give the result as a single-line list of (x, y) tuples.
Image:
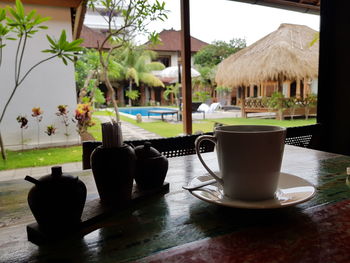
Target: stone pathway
[(130, 132)]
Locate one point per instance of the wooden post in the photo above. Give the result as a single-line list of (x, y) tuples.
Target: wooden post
[(280, 83), (79, 18), (298, 95), (186, 67), (251, 92), (243, 96), (143, 95), (120, 95), (333, 85), (153, 95), (263, 90), (162, 100)]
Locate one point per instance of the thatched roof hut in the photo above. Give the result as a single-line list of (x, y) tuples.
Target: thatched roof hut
[(285, 54)]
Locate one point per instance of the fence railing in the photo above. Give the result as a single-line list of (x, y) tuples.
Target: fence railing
[(283, 106)]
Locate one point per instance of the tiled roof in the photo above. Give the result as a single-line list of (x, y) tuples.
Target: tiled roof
[(91, 37), (171, 41)]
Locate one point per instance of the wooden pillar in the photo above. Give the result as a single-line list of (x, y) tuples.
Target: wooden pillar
[(243, 96), (153, 95), (307, 87), (280, 83), (143, 95), (298, 95), (288, 89), (162, 100), (120, 95), (186, 67), (333, 87), (78, 20), (263, 90), (260, 90)]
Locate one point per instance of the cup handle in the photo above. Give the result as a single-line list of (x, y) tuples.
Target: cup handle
[(197, 144)]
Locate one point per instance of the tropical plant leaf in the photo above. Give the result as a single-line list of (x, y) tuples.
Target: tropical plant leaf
[(116, 71), (151, 80), (2, 14), (52, 42), (19, 8), (131, 73), (155, 66)]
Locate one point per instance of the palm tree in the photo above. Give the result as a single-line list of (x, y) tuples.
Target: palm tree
[(206, 81), (172, 89), (135, 66)]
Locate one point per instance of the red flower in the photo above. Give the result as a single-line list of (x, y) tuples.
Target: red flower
[(62, 110), (36, 111), (83, 114)]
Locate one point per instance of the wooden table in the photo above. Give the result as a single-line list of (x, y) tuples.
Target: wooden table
[(164, 112), (178, 227)]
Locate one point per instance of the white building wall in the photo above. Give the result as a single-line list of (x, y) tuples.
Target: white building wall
[(174, 58), (285, 88), (314, 86), (94, 20), (48, 86)]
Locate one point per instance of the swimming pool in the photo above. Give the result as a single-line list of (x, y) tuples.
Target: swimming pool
[(142, 111)]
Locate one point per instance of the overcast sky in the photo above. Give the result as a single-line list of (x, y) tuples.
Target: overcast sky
[(223, 20)]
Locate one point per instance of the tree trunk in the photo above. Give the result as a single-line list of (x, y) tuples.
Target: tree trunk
[(3, 153), (92, 93), (111, 90), (130, 90), (83, 91)]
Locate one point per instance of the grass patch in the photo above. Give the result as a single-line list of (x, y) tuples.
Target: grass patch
[(167, 129), (96, 129), (41, 157)]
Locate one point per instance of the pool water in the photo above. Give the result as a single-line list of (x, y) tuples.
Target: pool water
[(142, 111)]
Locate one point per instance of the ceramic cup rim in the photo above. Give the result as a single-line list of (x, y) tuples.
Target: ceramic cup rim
[(245, 129)]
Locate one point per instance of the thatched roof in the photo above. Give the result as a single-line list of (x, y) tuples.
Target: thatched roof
[(285, 52)]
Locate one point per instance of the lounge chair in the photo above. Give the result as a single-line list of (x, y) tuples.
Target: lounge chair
[(194, 109)]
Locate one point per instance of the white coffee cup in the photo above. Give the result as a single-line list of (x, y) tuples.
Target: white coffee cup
[(249, 158)]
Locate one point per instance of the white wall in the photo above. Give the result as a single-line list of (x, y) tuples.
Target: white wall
[(49, 85), (314, 86), (174, 57), (94, 20)]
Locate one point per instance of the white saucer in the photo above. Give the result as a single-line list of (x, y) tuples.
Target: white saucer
[(292, 190)]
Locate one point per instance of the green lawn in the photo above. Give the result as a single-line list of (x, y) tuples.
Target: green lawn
[(42, 157), (52, 156), (96, 130), (167, 129)]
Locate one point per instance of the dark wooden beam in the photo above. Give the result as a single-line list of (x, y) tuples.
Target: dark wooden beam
[(312, 8), (334, 89), (61, 3), (186, 67), (79, 19)]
